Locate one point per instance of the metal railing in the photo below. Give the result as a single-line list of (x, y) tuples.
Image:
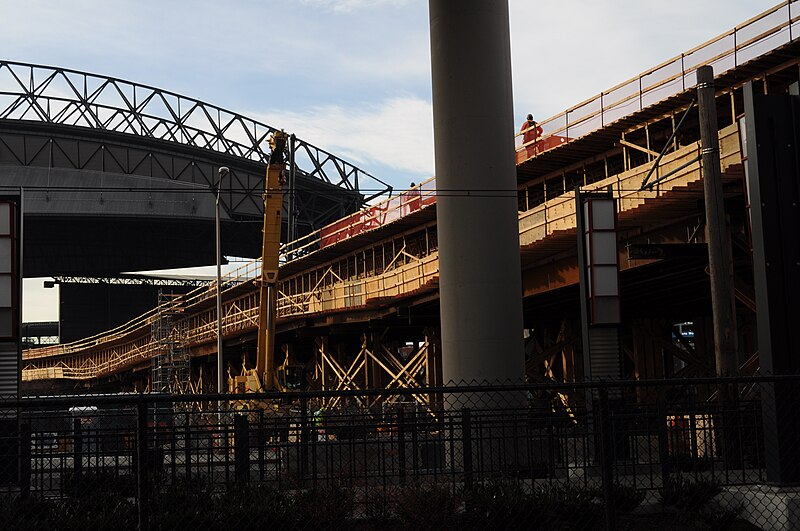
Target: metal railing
[(558, 214), (583, 455), (761, 34)]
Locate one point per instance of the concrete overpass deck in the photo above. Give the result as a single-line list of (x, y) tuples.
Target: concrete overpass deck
[(317, 286), (376, 271)]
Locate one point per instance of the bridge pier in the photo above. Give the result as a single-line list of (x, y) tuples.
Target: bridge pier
[(479, 259)]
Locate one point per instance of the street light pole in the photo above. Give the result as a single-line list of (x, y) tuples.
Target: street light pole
[(223, 171)]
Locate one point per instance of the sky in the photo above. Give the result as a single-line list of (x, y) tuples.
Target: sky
[(350, 76)]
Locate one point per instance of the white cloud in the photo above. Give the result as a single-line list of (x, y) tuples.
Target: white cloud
[(345, 6), (397, 133), (566, 52)]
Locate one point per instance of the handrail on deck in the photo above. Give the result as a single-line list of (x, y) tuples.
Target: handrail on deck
[(725, 52)]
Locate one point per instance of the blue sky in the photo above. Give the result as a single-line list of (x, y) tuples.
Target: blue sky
[(353, 76)]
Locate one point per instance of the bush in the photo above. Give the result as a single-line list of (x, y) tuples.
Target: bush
[(502, 505), (329, 508), (101, 511), (422, 506), (187, 502), (568, 507), (687, 493), (379, 508), (94, 483), (720, 520), (624, 497), (26, 515), (255, 508), (498, 504)]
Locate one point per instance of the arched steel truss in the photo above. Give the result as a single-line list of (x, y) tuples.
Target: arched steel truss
[(61, 96)]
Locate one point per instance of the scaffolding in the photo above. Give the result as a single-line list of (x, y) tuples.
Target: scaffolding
[(170, 370)]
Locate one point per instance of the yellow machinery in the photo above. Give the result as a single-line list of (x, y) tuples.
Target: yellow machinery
[(265, 376)]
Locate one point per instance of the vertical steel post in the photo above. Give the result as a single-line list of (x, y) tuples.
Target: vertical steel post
[(582, 285), (25, 440), (770, 137), (220, 358), (187, 449), (291, 207), (241, 441), (606, 458), (142, 498), (304, 439), (401, 444), (717, 233), (77, 448), (466, 443), (663, 435)]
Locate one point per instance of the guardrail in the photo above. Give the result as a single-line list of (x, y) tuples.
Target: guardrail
[(580, 455), (363, 221), (558, 214), (763, 33)]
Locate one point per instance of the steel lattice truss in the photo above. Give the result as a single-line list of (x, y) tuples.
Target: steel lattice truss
[(61, 96)]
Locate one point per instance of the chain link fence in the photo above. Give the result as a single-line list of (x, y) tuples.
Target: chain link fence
[(695, 454)]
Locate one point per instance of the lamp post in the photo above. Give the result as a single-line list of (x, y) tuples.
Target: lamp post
[(223, 171)]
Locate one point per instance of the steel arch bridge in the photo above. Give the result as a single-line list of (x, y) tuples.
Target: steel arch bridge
[(105, 161)]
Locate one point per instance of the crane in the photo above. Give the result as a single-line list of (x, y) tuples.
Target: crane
[(270, 247), (266, 376)]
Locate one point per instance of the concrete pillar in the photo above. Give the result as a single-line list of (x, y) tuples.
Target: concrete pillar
[(479, 258)]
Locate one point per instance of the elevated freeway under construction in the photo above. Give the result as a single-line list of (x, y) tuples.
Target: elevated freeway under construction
[(358, 299)]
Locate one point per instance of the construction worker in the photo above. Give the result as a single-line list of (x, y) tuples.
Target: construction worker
[(319, 424), (531, 132)]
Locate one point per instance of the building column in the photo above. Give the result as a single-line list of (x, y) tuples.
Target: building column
[(478, 226)]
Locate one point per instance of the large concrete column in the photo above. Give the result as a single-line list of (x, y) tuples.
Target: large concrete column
[(479, 259)]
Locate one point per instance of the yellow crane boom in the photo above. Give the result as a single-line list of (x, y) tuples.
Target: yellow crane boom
[(271, 242)]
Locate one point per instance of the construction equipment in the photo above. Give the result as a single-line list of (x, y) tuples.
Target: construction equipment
[(266, 376)]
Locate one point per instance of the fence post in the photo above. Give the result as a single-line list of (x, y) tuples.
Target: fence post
[(607, 458), (187, 450), (25, 460), (466, 441), (401, 444), (141, 465), (663, 445), (262, 443), (77, 449), (414, 444), (303, 454), (241, 448)]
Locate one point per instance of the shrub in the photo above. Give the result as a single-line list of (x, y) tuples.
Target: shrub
[(687, 493), (567, 507), (423, 506), (329, 508), (102, 482), (720, 520), (625, 498), (186, 502), (501, 505), (26, 515), (254, 507)]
